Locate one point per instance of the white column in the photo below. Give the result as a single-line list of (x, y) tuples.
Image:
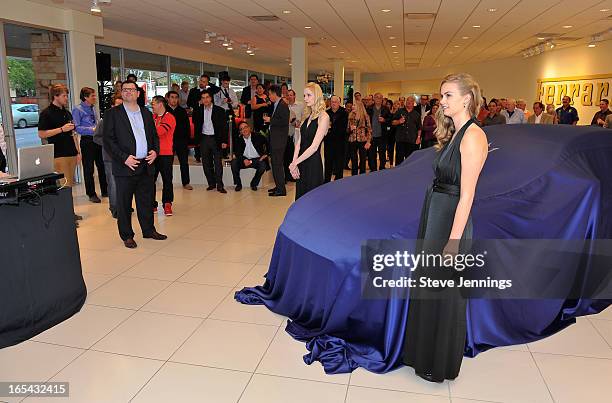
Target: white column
[(82, 51), (339, 79), (357, 82), (299, 66)]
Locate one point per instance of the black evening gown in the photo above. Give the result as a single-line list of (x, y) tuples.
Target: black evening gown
[(311, 169), (436, 328)]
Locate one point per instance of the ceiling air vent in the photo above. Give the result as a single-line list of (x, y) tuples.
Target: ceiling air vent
[(314, 43), (420, 16), (264, 18), (415, 43), (545, 35)]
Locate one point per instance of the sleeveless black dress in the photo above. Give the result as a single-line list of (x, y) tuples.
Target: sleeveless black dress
[(311, 169), (436, 326)]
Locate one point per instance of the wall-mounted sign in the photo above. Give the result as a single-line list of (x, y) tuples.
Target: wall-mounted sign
[(585, 93)]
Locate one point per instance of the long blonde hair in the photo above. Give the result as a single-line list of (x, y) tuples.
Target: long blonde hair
[(319, 104), (445, 128), (360, 113)]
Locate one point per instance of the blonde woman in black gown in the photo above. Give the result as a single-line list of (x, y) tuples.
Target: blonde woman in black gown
[(436, 328), (307, 165)]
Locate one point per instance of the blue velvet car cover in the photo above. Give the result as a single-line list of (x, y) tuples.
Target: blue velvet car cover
[(539, 182)]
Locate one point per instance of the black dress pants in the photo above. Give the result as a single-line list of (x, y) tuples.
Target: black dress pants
[(163, 166), (289, 150), (334, 159), (403, 151), (278, 168), (256, 164), (378, 149), (211, 161), (92, 154), (391, 146), (182, 153), (140, 185), (357, 150)]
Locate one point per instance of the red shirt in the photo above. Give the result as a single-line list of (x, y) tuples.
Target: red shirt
[(165, 125)]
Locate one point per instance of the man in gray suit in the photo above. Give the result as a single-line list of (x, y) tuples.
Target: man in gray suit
[(279, 132)]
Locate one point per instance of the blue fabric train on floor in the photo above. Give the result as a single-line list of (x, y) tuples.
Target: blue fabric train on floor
[(539, 181)]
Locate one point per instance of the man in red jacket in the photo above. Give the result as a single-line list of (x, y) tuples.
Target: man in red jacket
[(165, 123)]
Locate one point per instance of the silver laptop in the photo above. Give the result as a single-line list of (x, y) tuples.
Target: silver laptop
[(35, 161)]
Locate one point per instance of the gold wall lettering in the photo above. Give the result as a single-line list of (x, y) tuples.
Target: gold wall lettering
[(585, 93)]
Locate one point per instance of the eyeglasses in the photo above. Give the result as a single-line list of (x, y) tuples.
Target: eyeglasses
[(129, 90)]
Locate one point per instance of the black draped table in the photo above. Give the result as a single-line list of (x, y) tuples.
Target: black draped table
[(41, 283)]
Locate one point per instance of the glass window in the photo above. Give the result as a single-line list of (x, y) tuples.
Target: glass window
[(150, 71), (238, 77), (213, 71), (184, 70), (36, 60)]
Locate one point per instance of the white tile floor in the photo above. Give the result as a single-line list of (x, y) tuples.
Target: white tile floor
[(160, 325)]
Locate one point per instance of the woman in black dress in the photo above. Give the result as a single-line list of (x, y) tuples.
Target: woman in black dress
[(260, 104), (307, 166), (436, 328)]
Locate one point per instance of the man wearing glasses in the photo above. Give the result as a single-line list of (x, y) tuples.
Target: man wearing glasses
[(131, 139)]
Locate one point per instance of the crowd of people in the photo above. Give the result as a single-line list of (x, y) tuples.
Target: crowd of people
[(132, 146)]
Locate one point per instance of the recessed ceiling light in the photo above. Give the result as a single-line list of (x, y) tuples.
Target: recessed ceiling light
[(394, 46), (392, 37), (342, 51), (568, 26), (385, 10), (307, 27), (455, 46), (230, 48), (465, 37), (286, 12), (591, 45), (249, 51), (290, 64), (388, 26), (604, 10), (333, 46), (492, 10), (541, 38), (206, 40), (395, 51), (475, 26), (251, 54)]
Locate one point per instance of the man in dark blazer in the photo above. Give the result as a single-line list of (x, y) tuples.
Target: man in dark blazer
[(380, 118), (279, 132), (131, 139), (250, 152), (248, 92), (211, 132), (193, 99), (335, 141)]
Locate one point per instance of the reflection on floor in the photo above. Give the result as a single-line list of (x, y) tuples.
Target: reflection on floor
[(160, 325)]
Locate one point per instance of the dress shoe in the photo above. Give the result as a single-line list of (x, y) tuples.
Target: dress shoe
[(212, 187), (156, 236), (78, 217), (272, 190), (238, 188), (253, 188), (276, 194), (130, 243), (95, 199), (187, 187), (221, 190), (114, 214), (104, 194)]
